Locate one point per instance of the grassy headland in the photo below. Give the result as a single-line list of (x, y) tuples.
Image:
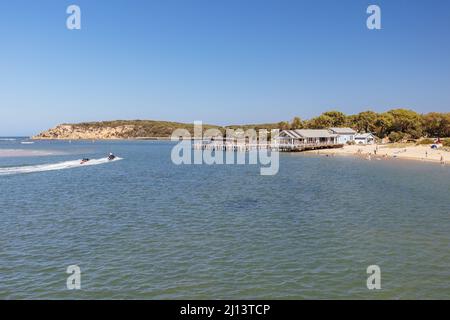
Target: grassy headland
[(397, 125)]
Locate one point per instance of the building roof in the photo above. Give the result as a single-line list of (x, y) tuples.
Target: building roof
[(364, 136), (291, 134), (343, 130), (308, 133)]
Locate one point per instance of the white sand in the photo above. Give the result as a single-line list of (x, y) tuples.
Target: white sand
[(394, 151)]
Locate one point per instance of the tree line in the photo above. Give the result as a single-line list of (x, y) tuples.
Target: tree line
[(397, 124)]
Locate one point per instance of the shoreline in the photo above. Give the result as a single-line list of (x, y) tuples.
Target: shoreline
[(411, 152), (422, 153)]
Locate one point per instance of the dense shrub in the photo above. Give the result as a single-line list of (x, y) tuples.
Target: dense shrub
[(426, 141), (405, 121), (446, 143), (396, 136)]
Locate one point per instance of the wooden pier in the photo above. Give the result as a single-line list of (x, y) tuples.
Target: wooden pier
[(307, 147), (246, 147)]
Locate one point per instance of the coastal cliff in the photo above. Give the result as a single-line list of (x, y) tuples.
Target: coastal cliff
[(121, 129), (130, 129)]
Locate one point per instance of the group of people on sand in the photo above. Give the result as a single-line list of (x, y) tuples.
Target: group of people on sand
[(442, 160), (368, 156), (385, 154)]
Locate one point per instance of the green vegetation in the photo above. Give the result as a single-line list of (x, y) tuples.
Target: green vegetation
[(399, 145), (144, 128), (326, 120), (397, 124), (267, 126), (426, 141), (396, 136)]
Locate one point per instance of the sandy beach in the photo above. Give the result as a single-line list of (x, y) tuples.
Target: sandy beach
[(4, 153), (392, 151)]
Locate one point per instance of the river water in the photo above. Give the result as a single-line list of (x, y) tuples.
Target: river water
[(144, 228)]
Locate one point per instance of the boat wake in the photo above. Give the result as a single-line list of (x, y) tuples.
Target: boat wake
[(54, 167)]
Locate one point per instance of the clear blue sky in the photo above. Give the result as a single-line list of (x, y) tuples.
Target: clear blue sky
[(222, 62)]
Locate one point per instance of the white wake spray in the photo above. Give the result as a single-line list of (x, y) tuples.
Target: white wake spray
[(55, 166)]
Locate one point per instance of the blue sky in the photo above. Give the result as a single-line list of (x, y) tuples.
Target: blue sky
[(222, 62)]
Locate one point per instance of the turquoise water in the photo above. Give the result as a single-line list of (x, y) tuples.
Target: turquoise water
[(145, 228)]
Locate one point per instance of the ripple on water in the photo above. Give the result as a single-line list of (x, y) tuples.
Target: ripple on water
[(145, 228)]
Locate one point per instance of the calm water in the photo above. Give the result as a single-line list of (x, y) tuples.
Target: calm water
[(145, 228)]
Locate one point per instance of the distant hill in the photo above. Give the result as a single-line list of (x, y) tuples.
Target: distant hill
[(395, 124), (128, 129), (267, 126)]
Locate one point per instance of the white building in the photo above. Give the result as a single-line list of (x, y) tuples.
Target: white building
[(307, 137), (365, 138), (344, 134)]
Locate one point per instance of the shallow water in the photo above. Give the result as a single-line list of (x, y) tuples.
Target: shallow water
[(146, 228)]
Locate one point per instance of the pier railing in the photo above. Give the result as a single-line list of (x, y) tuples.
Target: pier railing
[(287, 147)]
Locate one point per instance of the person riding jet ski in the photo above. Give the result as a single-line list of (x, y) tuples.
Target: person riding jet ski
[(84, 160), (111, 156)]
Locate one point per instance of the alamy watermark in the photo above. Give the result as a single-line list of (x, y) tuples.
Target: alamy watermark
[(374, 20), (235, 147), (73, 21), (74, 280), (374, 280)]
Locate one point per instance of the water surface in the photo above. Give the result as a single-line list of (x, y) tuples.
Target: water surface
[(146, 228)]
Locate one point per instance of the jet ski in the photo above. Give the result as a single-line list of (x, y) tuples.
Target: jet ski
[(111, 157), (84, 160)]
